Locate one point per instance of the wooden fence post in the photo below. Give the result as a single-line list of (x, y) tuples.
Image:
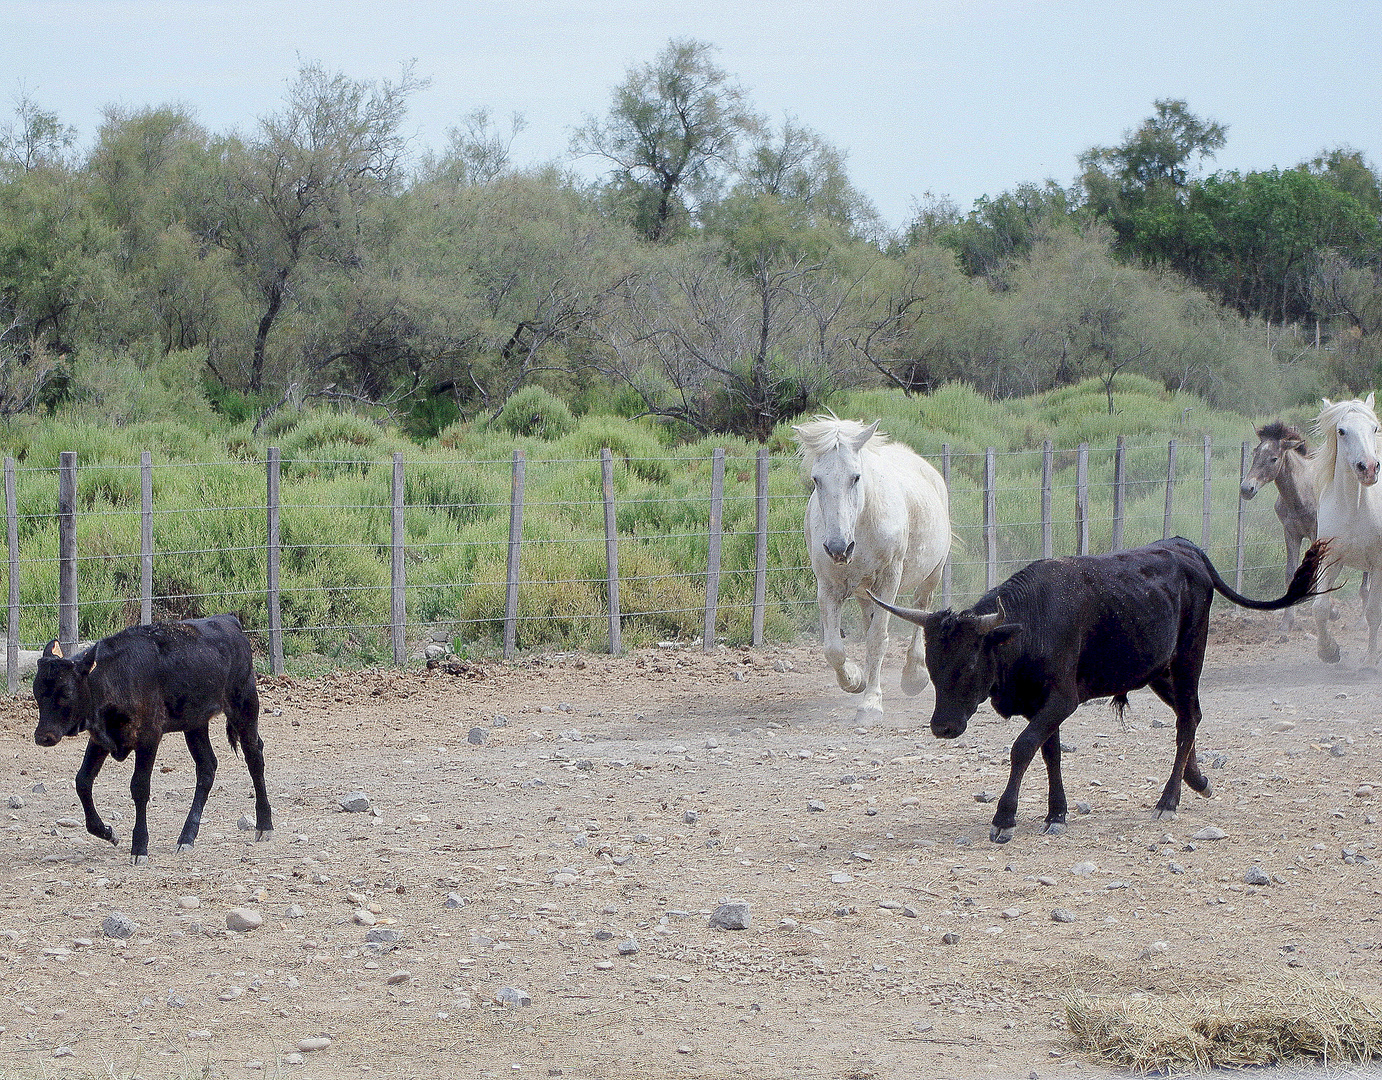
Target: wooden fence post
[(947, 569), (274, 554), (1082, 499), (712, 557), (1047, 472), (1242, 515), (1170, 490), (398, 580), (67, 550), (146, 538), (12, 535), (616, 615), (760, 546), (515, 540), (1208, 506), (990, 520), (1120, 473)]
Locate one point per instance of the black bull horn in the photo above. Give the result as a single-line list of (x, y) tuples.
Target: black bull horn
[(918, 616)]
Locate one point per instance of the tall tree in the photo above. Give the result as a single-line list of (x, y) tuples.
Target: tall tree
[(673, 125), (296, 189)]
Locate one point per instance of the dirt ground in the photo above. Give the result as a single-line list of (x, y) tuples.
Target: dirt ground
[(577, 849)]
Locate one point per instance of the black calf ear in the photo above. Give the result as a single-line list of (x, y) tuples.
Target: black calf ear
[(52, 649), (1000, 634)]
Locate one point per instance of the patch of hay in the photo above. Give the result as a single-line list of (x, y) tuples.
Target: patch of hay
[(1261, 1024)]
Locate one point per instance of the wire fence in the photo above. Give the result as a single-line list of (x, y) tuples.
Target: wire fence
[(531, 551)]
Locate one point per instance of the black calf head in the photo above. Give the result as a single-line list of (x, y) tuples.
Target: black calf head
[(63, 694), (962, 659)]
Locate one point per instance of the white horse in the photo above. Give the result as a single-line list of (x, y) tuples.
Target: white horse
[(878, 519), (1350, 510)]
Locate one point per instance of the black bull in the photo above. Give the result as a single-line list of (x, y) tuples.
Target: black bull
[(1063, 631), (130, 689)]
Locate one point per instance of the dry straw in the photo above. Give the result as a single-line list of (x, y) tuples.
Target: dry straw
[(1261, 1024)]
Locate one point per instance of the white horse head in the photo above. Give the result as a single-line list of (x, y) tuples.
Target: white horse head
[(834, 456), (1348, 435)]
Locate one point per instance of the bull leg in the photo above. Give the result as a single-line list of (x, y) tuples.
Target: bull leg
[(1327, 648), (847, 673), (1039, 729), (243, 714), (1186, 703), (199, 743), (1055, 798), (141, 784), (86, 777)]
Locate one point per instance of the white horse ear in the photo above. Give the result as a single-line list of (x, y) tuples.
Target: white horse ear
[(1326, 402), (1368, 400), (861, 440)]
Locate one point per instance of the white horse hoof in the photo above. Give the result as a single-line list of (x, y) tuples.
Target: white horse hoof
[(913, 684), (851, 679), (871, 714)]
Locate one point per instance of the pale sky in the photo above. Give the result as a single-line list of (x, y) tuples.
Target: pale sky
[(961, 98)]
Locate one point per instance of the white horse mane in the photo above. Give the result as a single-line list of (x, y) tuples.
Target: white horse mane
[(821, 434), (1326, 454)]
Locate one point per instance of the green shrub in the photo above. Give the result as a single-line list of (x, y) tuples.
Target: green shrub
[(534, 412)]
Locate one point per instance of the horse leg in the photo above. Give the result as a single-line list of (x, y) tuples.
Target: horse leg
[(915, 677), (1373, 610), (1326, 647), (1288, 617), (847, 673), (875, 649)]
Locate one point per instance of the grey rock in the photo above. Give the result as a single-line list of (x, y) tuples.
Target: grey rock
[(909, 912), (243, 920), (500, 720), (119, 925), (244, 824), (985, 797), (1257, 876), (454, 900), (294, 911), (402, 975), (477, 736), (690, 817), (355, 802), (628, 947), (1338, 750), (38, 788), (1082, 806), (732, 916), (514, 998), (1175, 867), (435, 650), (1060, 914), (1209, 832), (383, 935), (1218, 761), (176, 1001), (950, 939), (16, 802), (815, 805)]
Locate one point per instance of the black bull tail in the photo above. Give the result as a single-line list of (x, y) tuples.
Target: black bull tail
[(1304, 583)]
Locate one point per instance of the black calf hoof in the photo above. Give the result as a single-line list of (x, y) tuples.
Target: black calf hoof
[(1053, 828), (1001, 836), (139, 860)]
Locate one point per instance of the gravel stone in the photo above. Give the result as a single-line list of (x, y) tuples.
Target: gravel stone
[(16, 802), (1257, 876), (119, 925), (628, 947), (1209, 832), (950, 939), (454, 900), (731, 916), (356, 802), (814, 805), (243, 919), (1061, 914), (477, 736), (318, 1042), (513, 997), (383, 935)]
